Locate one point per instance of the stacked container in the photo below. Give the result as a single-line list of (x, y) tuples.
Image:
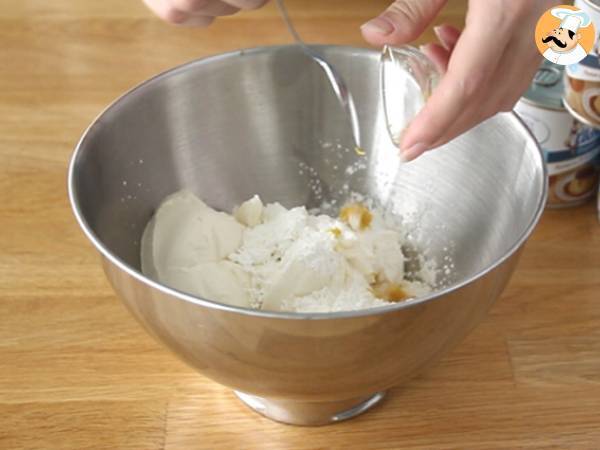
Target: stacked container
[(570, 147), (563, 113)]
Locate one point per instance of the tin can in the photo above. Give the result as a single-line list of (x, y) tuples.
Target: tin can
[(582, 89), (569, 146)]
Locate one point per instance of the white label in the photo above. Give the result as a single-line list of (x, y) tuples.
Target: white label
[(582, 72), (552, 129), (565, 142)]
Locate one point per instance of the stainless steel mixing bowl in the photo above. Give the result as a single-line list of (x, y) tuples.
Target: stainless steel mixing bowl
[(244, 123)]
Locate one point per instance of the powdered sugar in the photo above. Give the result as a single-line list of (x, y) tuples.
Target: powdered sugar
[(286, 259)]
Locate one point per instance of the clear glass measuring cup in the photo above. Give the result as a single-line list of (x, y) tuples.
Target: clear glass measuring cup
[(407, 78)]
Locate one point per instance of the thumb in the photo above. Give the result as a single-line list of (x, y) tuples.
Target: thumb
[(402, 22)]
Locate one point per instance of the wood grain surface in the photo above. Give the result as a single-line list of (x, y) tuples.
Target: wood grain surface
[(77, 372)]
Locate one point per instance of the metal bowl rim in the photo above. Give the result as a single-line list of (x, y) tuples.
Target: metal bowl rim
[(113, 259)]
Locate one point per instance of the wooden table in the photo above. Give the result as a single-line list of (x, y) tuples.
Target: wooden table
[(77, 372)]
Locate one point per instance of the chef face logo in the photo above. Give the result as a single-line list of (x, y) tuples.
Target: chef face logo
[(565, 35), (561, 40)]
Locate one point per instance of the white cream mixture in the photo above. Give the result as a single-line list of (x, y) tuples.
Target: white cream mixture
[(272, 258)]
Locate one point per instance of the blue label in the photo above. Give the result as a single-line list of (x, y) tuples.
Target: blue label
[(592, 61), (586, 140)]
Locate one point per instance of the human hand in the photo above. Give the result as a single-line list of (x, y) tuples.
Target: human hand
[(487, 66), (198, 13)]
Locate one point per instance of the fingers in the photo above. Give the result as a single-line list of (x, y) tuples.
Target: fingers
[(403, 21), (437, 54), (472, 64), (518, 63), (213, 8), (447, 35), (164, 10), (198, 12), (440, 53), (522, 62), (488, 66)]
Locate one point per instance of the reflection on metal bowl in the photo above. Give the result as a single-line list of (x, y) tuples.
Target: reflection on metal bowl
[(239, 124)]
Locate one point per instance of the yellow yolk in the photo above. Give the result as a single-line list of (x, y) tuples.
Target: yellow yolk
[(391, 292), (356, 215)]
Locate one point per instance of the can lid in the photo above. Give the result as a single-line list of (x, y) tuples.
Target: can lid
[(592, 3), (546, 89)]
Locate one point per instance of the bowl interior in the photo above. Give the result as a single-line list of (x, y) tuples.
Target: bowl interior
[(265, 122)]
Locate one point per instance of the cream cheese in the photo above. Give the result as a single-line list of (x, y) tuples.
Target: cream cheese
[(273, 258)]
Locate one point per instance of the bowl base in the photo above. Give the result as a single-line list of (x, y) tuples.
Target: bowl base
[(309, 413)]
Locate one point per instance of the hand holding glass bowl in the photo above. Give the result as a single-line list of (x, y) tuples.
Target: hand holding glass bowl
[(311, 368), (300, 368), (487, 66)]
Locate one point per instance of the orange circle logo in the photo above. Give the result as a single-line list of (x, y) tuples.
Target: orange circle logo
[(565, 35)]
